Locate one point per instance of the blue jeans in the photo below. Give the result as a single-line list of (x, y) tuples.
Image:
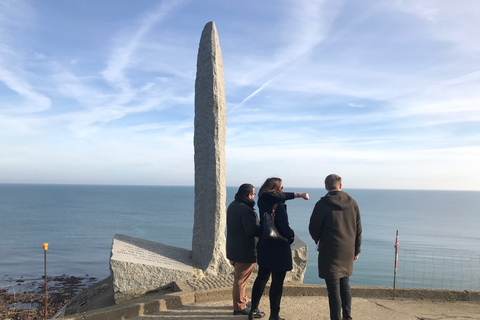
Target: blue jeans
[(339, 298)]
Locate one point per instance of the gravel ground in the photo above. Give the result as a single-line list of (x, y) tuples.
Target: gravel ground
[(30, 305)]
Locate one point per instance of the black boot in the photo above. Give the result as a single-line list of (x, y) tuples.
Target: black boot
[(274, 315), (255, 313)]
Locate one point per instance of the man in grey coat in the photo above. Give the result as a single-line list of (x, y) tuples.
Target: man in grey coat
[(336, 228), (242, 230)]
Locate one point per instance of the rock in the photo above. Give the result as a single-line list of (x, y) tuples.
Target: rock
[(138, 266), (99, 295), (208, 242), (299, 255)]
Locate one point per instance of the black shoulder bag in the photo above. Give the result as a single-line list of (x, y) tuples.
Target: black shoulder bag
[(270, 230)]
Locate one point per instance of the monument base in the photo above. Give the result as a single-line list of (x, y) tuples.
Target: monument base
[(138, 266), (299, 256)]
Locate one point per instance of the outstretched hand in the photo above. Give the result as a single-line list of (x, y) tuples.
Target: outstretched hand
[(302, 195)]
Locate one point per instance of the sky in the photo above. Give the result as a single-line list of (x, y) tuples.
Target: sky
[(384, 93)]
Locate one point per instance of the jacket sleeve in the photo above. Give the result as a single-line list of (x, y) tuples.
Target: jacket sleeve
[(316, 221), (288, 195), (250, 223), (279, 197)]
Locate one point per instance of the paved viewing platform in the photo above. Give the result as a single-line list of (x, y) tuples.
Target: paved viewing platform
[(210, 298)]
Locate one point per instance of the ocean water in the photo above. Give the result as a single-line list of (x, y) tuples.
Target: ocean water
[(438, 231)]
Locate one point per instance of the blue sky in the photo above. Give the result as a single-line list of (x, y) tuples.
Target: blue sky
[(384, 93)]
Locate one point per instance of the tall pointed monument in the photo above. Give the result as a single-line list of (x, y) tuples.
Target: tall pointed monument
[(208, 242)]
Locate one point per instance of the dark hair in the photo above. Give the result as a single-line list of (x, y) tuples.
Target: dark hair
[(270, 185), (332, 182), (245, 190)]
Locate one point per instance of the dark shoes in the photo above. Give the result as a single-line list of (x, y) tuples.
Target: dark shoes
[(276, 318), (258, 314), (255, 314), (252, 314), (244, 312)]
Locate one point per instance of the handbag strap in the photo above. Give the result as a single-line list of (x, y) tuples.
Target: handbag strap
[(273, 211)]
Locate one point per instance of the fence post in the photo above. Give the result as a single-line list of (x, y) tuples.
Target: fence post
[(396, 261)]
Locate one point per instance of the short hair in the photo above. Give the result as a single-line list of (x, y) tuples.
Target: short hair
[(332, 182), (245, 190), (270, 185)]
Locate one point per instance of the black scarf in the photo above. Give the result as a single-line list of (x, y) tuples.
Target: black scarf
[(247, 201)]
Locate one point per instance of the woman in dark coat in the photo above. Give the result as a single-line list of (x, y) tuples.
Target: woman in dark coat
[(273, 258)]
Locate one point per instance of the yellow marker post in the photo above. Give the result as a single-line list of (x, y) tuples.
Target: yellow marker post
[(45, 248)]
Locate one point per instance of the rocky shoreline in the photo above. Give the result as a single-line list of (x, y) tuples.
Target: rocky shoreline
[(22, 304)]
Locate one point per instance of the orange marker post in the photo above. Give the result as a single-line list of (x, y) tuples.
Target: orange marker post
[(45, 248)]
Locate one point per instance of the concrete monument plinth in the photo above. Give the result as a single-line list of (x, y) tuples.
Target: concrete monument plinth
[(138, 266)]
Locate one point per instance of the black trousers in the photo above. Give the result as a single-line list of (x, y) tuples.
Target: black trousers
[(276, 289), (339, 298)]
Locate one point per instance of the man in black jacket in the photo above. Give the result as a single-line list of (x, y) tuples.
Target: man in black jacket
[(336, 228), (242, 228)]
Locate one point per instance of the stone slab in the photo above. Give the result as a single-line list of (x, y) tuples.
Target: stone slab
[(138, 266), (135, 250)]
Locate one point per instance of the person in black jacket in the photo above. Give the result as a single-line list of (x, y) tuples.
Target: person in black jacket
[(336, 228), (242, 230), (274, 258)]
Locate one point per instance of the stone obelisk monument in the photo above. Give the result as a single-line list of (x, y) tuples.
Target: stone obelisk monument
[(208, 243)]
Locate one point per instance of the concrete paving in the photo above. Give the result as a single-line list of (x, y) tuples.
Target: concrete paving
[(296, 308), (210, 298)]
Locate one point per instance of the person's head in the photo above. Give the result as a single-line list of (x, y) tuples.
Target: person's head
[(333, 182), (271, 185), (246, 190)]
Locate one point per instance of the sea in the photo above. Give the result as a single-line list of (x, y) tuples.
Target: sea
[(439, 241)]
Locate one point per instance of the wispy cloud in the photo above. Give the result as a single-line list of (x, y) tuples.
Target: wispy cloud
[(365, 89), (312, 25), (129, 41), (303, 28), (32, 100), (15, 16)]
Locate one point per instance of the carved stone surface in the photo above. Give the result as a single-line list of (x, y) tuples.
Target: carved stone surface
[(138, 265), (299, 255), (208, 242)]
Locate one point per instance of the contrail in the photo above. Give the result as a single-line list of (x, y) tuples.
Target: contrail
[(336, 36), (254, 93), (469, 77)]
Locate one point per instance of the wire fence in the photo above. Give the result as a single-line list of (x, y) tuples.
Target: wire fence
[(434, 270)]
